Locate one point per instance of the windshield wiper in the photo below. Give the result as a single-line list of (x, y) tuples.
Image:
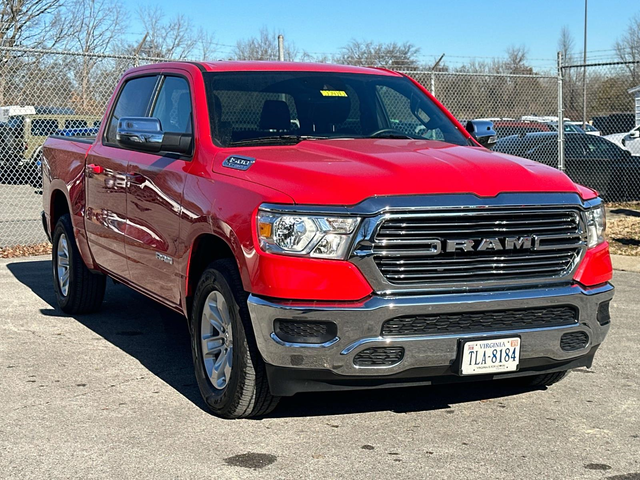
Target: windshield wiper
[(394, 136), (275, 140)]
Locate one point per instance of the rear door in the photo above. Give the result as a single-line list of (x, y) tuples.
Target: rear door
[(106, 179), (154, 198)]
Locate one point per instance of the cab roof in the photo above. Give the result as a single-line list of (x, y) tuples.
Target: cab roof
[(259, 66)]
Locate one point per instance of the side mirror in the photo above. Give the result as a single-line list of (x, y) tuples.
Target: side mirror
[(145, 133), (141, 133), (482, 131), (635, 134)]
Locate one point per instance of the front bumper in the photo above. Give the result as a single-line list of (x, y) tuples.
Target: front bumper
[(359, 327)]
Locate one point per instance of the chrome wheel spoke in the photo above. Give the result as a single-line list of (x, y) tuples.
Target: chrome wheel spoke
[(217, 340), (63, 264)]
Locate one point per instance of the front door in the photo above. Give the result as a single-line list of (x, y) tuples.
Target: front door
[(154, 200), (106, 181)]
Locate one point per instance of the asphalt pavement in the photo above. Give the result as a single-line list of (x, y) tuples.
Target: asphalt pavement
[(112, 395)]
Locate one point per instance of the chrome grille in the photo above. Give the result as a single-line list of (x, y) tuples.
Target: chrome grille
[(405, 247)]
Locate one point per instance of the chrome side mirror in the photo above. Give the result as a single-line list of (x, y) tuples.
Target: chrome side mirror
[(140, 133), (482, 131)]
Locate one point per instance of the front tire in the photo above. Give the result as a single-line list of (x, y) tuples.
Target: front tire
[(229, 370), (78, 290), (541, 380)]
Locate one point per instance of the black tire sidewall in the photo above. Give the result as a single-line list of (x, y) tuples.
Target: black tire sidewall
[(220, 401)]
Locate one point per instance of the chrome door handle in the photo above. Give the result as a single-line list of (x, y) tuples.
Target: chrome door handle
[(135, 179)]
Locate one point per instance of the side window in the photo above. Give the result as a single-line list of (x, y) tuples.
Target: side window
[(173, 106), (133, 102)]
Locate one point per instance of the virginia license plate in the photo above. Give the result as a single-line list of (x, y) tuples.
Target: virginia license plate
[(493, 355)]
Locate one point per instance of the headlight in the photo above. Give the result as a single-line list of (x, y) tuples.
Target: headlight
[(305, 235), (596, 224)]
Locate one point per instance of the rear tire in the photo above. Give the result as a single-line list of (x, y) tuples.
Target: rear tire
[(229, 369), (78, 290)]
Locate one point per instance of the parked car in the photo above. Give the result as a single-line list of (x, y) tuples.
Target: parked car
[(589, 160), (629, 140), (26, 133), (505, 128), (614, 123), (569, 127), (342, 250), (586, 128), (22, 137)]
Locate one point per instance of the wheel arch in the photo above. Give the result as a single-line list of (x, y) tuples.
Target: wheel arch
[(205, 248)]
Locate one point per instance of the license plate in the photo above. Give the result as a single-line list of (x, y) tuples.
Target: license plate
[(493, 355)]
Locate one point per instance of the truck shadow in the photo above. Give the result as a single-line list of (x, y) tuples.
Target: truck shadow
[(159, 339)]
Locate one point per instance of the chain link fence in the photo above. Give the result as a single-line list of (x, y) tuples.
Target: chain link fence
[(604, 100), (45, 92)]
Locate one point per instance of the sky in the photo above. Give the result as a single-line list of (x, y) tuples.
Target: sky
[(461, 28)]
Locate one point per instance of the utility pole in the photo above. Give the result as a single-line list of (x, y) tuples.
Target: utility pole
[(138, 48), (433, 77), (584, 71), (281, 48)]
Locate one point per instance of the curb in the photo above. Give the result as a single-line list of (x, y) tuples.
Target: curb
[(626, 263)]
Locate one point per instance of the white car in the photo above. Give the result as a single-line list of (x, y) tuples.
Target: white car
[(629, 140)]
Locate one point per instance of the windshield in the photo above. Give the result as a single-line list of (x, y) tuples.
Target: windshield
[(286, 107)]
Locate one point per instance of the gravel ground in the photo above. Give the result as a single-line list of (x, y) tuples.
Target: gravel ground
[(20, 222), (623, 229), (112, 395)]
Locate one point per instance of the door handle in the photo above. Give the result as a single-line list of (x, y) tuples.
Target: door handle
[(135, 179), (95, 169)]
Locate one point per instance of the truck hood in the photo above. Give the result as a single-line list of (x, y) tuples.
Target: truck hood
[(345, 172)]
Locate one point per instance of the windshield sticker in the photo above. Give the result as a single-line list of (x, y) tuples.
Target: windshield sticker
[(238, 163), (333, 93)]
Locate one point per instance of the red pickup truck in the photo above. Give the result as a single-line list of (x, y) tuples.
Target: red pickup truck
[(326, 227)]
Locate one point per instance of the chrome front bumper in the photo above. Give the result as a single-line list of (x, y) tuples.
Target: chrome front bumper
[(359, 327)]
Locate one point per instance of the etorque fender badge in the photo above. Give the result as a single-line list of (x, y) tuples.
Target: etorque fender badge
[(238, 162)]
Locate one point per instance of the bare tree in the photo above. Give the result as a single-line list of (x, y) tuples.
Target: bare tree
[(628, 48), (27, 22), (264, 46), (33, 23), (399, 56), (572, 96), (516, 61), (96, 26), (173, 38)]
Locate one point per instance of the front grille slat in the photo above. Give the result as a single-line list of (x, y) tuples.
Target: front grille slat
[(534, 262), (459, 231), (480, 221), (472, 322), (406, 249), (474, 273)]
